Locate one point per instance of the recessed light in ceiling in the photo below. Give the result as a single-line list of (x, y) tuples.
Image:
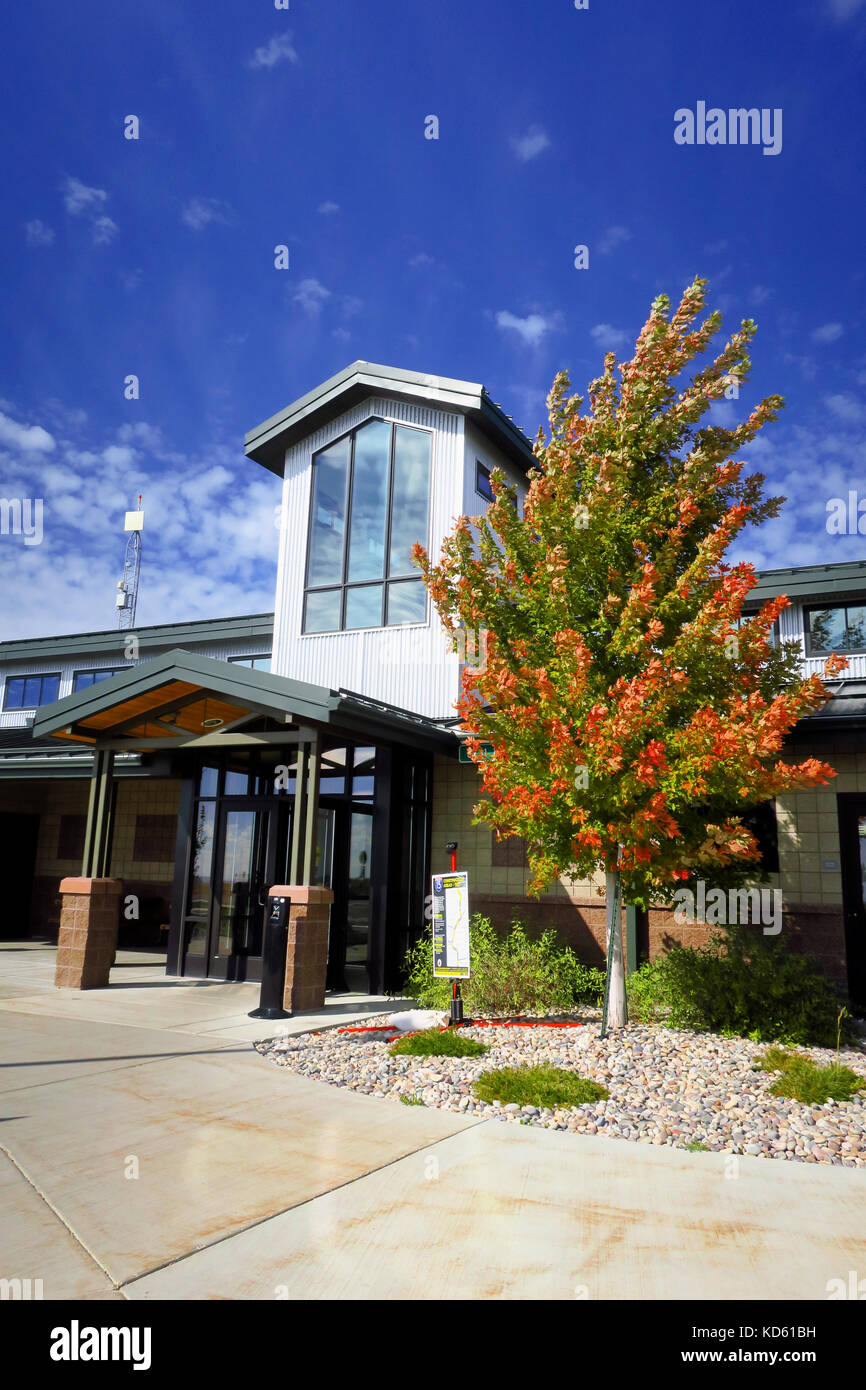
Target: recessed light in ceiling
[(211, 723)]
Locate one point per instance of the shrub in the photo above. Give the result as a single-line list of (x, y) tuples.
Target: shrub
[(542, 1086), (433, 1042), (802, 1079), (514, 974), (744, 985)]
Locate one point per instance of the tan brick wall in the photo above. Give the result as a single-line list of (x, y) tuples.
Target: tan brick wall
[(810, 875), (152, 797)]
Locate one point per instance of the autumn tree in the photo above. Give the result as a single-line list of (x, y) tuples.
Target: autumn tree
[(633, 711)]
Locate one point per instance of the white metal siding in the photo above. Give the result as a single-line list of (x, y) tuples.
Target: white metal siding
[(407, 666)]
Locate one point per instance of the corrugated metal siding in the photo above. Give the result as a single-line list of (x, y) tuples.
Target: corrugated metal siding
[(11, 719), (406, 666)]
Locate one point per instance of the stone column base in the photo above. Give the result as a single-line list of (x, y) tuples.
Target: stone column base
[(307, 947), (88, 932)]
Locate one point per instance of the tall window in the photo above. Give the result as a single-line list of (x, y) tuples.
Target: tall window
[(841, 628), (370, 504), (28, 692)]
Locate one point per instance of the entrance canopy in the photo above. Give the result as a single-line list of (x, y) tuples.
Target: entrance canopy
[(181, 700)]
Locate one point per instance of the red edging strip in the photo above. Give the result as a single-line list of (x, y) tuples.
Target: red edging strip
[(377, 1028), (474, 1023)]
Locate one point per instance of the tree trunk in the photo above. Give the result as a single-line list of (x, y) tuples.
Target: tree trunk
[(617, 1008)]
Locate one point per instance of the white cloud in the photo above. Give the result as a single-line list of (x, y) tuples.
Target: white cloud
[(328, 208), (613, 237), (846, 407), (421, 261), (607, 337), (531, 144), (191, 570), (311, 295), (828, 333), (78, 197), (278, 50), (531, 329), (198, 213), (118, 455), (130, 279), (103, 231), (37, 233), (341, 334), (27, 438), (759, 294)]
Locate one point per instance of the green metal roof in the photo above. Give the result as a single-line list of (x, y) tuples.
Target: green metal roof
[(256, 626), (267, 443), (260, 692), (811, 581)]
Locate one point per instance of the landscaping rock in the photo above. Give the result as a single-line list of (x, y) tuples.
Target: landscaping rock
[(666, 1087)]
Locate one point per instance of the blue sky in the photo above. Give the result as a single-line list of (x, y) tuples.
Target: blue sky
[(305, 126)]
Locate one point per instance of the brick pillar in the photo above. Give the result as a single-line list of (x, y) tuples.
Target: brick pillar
[(88, 932), (307, 948)]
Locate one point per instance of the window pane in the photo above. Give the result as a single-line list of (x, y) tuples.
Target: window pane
[(363, 772), (32, 687), (14, 693), (364, 606), (208, 781), (856, 628), (82, 680), (261, 663), (332, 775), (323, 611), (236, 783), (410, 500), (407, 602), (483, 485), (199, 884), (369, 501), (328, 514), (103, 675), (50, 689), (827, 629)]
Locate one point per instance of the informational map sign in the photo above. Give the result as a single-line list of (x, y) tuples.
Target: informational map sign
[(451, 925)]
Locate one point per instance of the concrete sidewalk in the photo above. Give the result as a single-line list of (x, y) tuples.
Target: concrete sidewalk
[(146, 1151)]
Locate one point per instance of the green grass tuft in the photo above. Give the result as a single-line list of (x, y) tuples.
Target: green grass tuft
[(803, 1080), (433, 1043), (406, 1099), (544, 1086)]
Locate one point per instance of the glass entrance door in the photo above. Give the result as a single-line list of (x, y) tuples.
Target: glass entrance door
[(358, 901), (852, 841), (246, 855)]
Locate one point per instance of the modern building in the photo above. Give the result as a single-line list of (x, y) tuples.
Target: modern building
[(201, 763)]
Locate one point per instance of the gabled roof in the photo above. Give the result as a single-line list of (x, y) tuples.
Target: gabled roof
[(181, 699), (267, 443)]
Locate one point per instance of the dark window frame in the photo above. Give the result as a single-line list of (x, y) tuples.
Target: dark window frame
[(482, 474), (40, 676), (247, 660), (824, 608), (344, 584), (96, 671)]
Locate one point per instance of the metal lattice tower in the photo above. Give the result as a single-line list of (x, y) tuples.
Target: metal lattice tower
[(126, 601)]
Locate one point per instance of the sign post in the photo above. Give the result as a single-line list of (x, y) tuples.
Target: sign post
[(451, 931)]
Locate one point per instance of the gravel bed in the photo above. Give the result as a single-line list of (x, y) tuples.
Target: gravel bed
[(666, 1087)]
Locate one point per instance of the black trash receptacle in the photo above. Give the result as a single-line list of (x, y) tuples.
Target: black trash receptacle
[(274, 960)]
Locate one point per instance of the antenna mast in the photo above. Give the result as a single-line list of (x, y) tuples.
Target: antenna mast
[(126, 600)]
